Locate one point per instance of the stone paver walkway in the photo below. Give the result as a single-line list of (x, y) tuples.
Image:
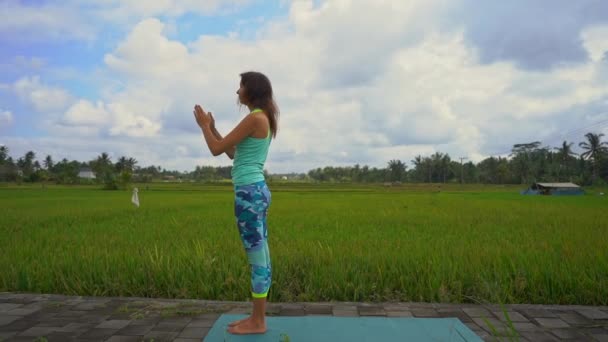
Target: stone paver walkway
[(35, 317)]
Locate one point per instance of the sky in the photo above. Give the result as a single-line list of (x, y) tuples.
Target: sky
[(356, 81)]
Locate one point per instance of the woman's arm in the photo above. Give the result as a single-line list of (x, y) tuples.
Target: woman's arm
[(230, 151), (219, 146)]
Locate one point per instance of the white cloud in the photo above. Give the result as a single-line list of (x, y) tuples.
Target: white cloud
[(39, 23), (44, 98), (356, 81), (6, 118), (146, 53), (129, 9), (77, 20), (345, 97), (128, 123), (84, 113), (595, 40)]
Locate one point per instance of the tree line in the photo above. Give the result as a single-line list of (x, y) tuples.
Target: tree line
[(527, 162)]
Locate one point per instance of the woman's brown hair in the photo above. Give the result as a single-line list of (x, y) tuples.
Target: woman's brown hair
[(258, 93)]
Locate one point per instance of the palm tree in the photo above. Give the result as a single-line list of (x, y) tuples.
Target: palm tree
[(121, 164), (419, 162), (131, 162), (3, 154), (104, 159), (48, 162), (396, 169), (101, 164), (563, 154), (522, 160), (594, 149)]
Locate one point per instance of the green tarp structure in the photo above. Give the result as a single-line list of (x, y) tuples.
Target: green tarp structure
[(555, 189)]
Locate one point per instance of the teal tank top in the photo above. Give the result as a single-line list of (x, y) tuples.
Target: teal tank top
[(249, 158)]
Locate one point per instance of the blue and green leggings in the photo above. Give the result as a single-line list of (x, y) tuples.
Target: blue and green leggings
[(251, 208)]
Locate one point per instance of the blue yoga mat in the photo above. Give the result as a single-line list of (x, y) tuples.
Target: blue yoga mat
[(335, 329)]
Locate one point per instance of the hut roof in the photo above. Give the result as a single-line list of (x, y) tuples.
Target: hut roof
[(558, 185)]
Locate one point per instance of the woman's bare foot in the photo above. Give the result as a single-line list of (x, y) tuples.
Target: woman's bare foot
[(239, 321), (248, 327)]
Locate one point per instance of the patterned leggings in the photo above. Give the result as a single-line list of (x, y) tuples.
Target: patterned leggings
[(251, 208)]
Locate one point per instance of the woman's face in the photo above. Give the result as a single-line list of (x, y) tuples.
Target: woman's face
[(241, 93)]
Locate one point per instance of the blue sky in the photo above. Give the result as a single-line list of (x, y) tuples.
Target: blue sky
[(357, 81)]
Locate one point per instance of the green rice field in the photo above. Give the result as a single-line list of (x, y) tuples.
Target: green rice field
[(428, 243)]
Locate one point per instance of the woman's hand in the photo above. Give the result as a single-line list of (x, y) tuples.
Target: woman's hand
[(203, 119)]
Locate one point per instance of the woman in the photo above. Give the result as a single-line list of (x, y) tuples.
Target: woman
[(248, 145)]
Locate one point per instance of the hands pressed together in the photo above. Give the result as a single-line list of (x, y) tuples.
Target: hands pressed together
[(203, 119)]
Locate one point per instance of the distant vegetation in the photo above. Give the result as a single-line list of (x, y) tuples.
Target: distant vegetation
[(527, 162)]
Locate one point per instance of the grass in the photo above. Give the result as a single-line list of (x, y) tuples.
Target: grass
[(327, 242)]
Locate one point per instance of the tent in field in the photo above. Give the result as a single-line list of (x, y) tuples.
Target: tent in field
[(553, 189)]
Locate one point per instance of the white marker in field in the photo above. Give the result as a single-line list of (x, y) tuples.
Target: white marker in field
[(134, 198)]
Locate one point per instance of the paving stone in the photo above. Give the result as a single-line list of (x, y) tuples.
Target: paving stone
[(479, 331), (477, 312), (242, 311), (5, 319), (568, 334), (19, 324), (169, 327), (97, 334), (55, 322), (42, 316), (201, 323), (160, 336), (593, 314), (210, 315), (537, 313), (71, 313), (514, 316), (492, 325), (425, 313), (75, 328), (455, 313), (117, 316), (73, 318), (37, 331), (194, 332), (87, 306), (293, 312), (22, 339), (8, 306), (525, 326), (135, 329), (538, 336), (113, 324), (344, 308), (552, 323), (594, 330), (600, 337), (187, 340), (396, 307), (318, 309), (5, 335), (146, 321), (121, 338), (23, 311), (575, 318), (371, 311), (291, 306), (345, 313), (60, 337), (91, 318), (399, 314)]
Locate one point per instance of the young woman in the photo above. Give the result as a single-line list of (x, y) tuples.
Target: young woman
[(248, 145)]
